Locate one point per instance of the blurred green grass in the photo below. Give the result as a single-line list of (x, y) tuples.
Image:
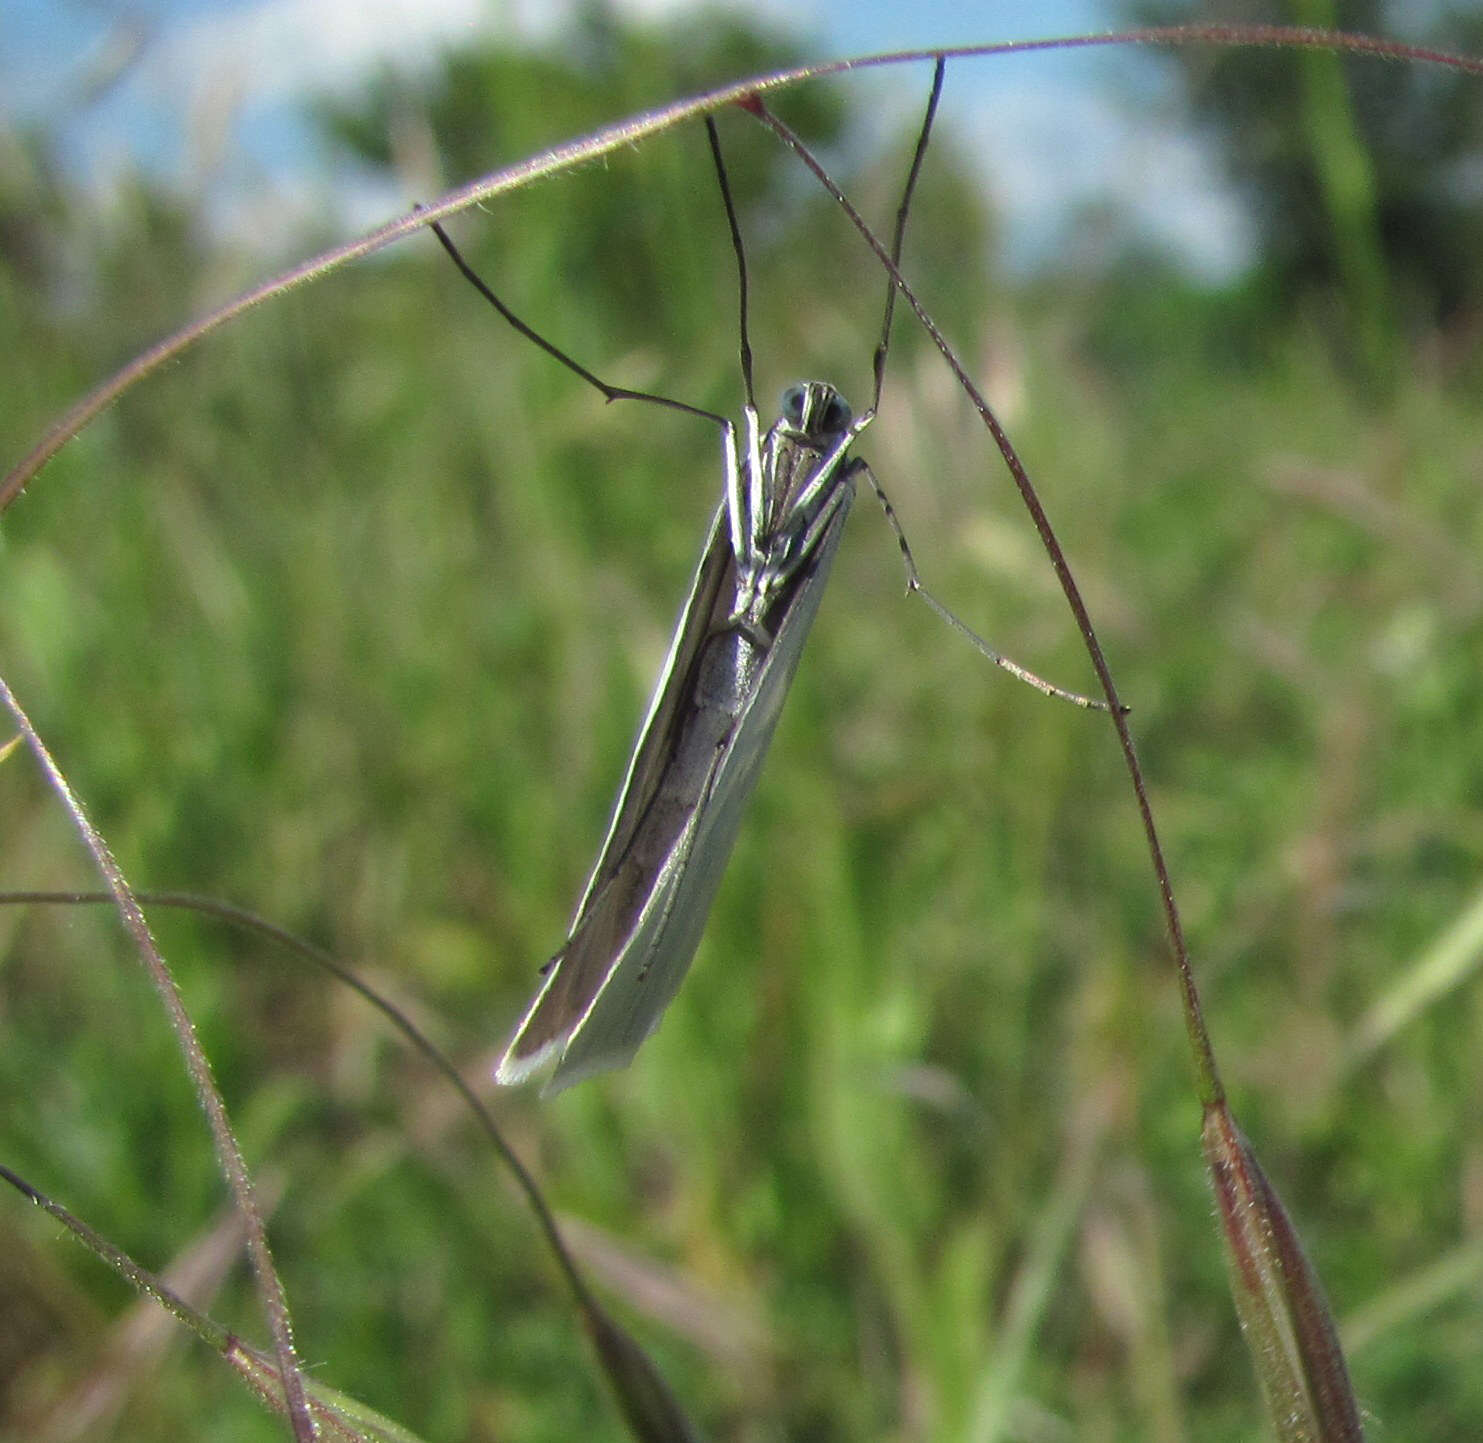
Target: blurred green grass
[(350, 616)]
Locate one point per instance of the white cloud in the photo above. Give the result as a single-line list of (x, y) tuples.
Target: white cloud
[(218, 96), (1048, 151), (283, 49)]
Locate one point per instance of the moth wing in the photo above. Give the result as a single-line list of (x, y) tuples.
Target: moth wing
[(710, 592), (646, 973), (613, 899)]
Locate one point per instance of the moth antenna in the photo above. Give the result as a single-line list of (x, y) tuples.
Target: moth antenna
[(743, 331)]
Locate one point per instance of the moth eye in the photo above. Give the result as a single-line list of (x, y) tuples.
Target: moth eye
[(836, 416), (793, 402)]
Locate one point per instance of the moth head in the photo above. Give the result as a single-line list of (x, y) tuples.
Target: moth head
[(815, 412)]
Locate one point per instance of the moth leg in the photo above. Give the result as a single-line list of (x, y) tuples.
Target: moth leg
[(914, 584)]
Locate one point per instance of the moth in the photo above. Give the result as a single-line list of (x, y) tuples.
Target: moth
[(715, 706)]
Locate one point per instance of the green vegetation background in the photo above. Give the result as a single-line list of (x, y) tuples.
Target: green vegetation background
[(349, 618)]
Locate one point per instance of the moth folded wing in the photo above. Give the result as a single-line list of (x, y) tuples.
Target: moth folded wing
[(604, 992), (574, 976), (734, 731), (639, 977), (710, 597), (616, 890), (656, 899)]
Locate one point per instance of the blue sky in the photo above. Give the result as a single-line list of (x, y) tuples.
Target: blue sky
[(217, 86)]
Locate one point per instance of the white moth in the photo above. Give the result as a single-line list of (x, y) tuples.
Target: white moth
[(716, 704), (755, 595)]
